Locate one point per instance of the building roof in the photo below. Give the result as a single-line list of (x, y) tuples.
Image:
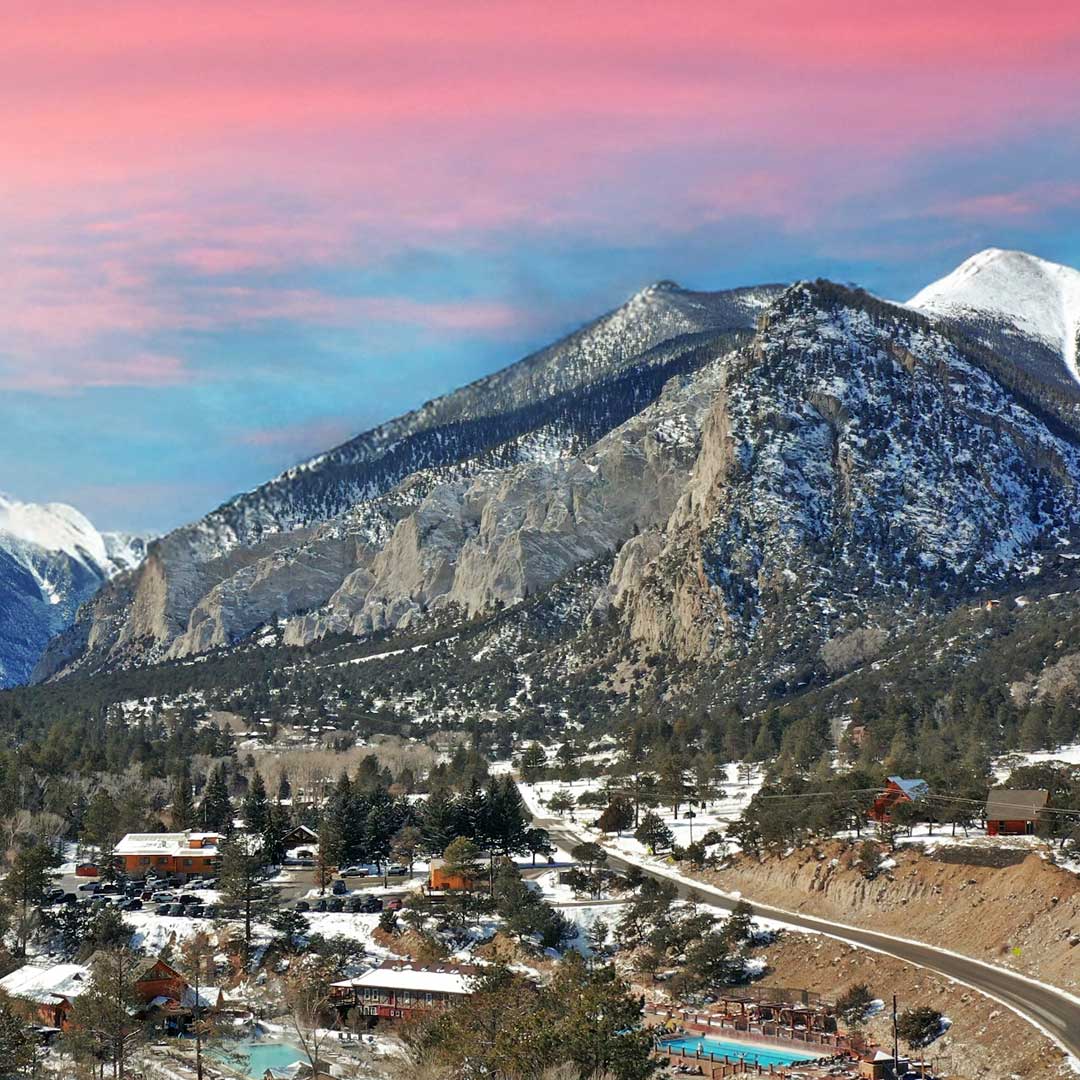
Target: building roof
[(442, 979), (45, 985), (913, 788), (1015, 804), (175, 844)]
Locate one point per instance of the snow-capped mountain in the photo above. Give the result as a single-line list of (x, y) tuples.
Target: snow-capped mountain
[(52, 559), (755, 468), (289, 545), (1009, 294)]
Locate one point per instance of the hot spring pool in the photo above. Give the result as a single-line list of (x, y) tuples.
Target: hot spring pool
[(254, 1057), (736, 1051)]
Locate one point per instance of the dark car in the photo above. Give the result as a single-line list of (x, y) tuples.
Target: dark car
[(319, 905), (53, 896), (110, 887), (335, 903), (211, 911), (90, 887), (302, 905), (176, 909), (371, 905), (195, 911), (70, 898), (354, 905), (189, 898), (163, 909), (339, 888)]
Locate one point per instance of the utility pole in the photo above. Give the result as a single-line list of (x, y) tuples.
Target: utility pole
[(895, 1040)]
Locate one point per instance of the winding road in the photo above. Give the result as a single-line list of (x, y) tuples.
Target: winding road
[(1056, 1012)]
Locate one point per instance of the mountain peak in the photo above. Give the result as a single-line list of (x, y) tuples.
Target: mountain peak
[(1012, 290)]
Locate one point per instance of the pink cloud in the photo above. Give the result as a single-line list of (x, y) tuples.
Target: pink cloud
[(147, 370), (306, 437), (1026, 202)]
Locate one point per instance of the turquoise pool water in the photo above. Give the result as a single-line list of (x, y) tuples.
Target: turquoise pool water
[(756, 1055), (257, 1056)]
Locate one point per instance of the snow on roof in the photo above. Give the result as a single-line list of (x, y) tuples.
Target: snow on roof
[(167, 844), (33, 982), (443, 980)]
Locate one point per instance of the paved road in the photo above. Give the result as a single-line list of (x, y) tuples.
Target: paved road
[(1052, 1010)]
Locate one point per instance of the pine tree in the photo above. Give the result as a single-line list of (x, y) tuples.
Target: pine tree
[(241, 883), (183, 805), (256, 806), (284, 788), (438, 823), (216, 809)]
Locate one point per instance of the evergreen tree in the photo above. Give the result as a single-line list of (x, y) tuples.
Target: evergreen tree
[(438, 823), (284, 788), (241, 884), (216, 809), (256, 807), (183, 804), (17, 1042), (25, 885)]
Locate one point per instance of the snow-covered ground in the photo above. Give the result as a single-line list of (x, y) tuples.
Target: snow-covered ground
[(717, 814), (1070, 755)]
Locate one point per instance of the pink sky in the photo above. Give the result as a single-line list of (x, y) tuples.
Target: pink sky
[(194, 196)]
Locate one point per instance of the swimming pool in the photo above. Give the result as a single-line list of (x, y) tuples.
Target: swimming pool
[(736, 1051), (258, 1055)]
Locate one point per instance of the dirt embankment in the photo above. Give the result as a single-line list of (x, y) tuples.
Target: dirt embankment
[(985, 1042), (1025, 916)]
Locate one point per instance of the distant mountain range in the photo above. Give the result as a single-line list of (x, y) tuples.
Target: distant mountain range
[(51, 561), (751, 468)]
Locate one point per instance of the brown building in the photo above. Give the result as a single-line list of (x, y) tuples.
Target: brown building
[(1014, 812), (395, 990), (185, 853)]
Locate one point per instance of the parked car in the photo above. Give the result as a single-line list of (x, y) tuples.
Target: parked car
[(70, 898), (339, 888), (176, 909), (335, 903), (110, 887), (355, 871), (302, 905), (319, 905), (371, 905), (394, 904), (163, 909), (164, 898), (397, 870), (53, 895), (211, 911), (89, 887), (195, 911), (354, 905)]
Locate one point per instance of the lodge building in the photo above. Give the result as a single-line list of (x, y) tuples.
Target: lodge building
[(183, 853), (395, 990)]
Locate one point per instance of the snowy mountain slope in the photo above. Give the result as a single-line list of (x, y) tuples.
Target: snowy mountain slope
[(857, 461), (1014, 293), (52, 560), (278, 549), (759, 468)]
